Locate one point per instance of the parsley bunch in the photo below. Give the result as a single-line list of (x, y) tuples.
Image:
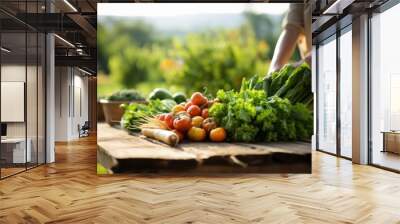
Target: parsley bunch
[(249, 116)]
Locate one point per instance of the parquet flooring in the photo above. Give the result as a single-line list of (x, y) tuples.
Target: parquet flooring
[(10, 170), (69, 191)]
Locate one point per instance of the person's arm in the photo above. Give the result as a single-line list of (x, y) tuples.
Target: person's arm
[(293, 26), (284, 48)]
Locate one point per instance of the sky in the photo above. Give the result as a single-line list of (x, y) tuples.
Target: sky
[(179, 9)]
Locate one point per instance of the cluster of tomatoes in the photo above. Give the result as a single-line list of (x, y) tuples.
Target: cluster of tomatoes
[(191, 119)]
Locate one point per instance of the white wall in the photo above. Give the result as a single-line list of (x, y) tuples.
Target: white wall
[(71, 94), (61, 103), (80, 96)]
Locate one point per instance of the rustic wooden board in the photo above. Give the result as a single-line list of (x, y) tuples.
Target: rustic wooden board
[(116, 145)]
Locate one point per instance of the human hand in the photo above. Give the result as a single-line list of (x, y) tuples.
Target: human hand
[(306, 59)]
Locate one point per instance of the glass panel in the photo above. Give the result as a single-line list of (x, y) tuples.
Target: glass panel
[(31, 97), (23, 90), (345, 94), (327, 97), (32, 89), (13, 84), (41, 99), (385, 84)]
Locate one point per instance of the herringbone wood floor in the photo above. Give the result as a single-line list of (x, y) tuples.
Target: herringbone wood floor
[(69, 191)]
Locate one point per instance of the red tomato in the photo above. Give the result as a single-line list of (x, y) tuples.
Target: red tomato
[(187, 105), (182, 123), (198, 99), (194, 110), (161, 117), (169, 120), (182, 113)]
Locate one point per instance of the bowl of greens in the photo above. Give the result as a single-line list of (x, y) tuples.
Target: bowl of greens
[(112, 104)]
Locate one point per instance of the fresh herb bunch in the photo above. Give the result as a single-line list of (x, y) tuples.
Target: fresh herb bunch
[(136, 113), (126, 95), (249, 116)]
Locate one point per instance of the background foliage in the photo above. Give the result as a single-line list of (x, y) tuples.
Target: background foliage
[(134, 54)]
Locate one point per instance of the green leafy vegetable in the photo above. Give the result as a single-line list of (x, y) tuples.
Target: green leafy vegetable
[(249, 116), (279, 79), (293, 83)]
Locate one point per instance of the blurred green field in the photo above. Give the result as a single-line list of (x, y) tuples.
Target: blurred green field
[(134, 54)]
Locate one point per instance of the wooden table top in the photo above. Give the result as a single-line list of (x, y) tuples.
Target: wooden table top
[(116, 144)]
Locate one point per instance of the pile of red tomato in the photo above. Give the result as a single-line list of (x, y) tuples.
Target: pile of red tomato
[(191, 120)]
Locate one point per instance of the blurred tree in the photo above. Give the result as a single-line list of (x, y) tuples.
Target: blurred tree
[(133, 65), (215, 60), (268, 28), (112, 38), (265, 27), (139, 32), (103, 55), (136, 55)]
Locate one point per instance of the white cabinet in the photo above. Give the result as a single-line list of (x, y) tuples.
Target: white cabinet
[(17, 147)]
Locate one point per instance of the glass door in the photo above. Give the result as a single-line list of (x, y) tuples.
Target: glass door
[(326, 102), (385, 89), (14, 153), (32, 98), (22, 77)]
